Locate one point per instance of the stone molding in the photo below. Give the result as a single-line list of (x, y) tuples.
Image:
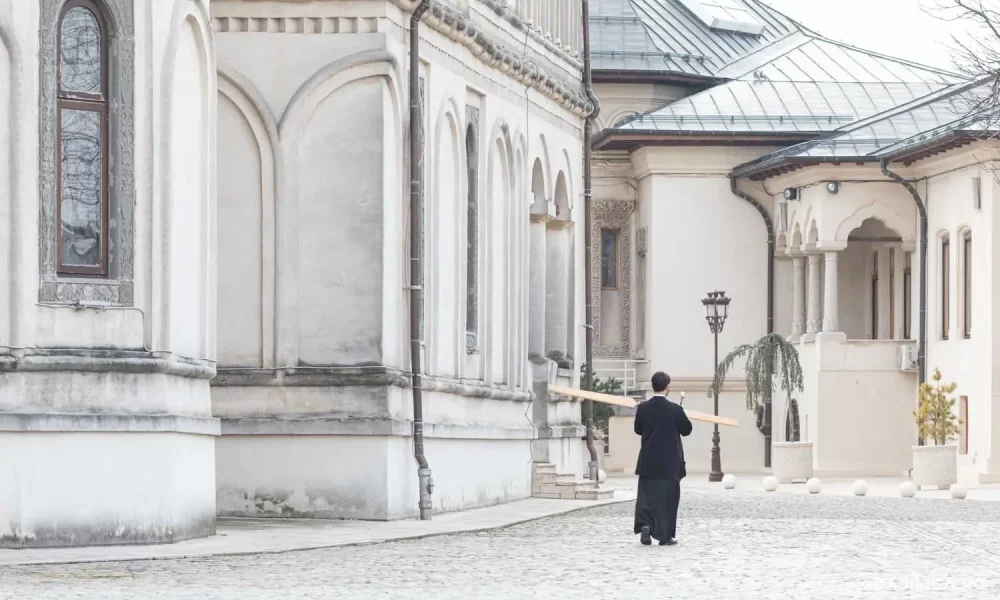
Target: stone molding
[(102, 423), (362, 376), (372, 427), (615, 214), (457, 27), (104, 361), (117, 288), (562, 431)]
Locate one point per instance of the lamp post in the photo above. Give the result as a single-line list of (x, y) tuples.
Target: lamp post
[(716, 311)]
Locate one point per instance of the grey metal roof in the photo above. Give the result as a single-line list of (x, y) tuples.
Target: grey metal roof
[(663, 35), (890, 133), (805, 83)]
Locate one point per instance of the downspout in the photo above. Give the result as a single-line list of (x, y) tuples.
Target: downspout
[(416, 267), (588, 134), (765, 427), (922, 211)]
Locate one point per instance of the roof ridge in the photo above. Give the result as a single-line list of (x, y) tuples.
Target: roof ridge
[(924, 100), (784, 15), (902, 61), (838, 134), (782, 40)]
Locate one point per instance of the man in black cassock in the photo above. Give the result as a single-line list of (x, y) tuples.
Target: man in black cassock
[(661, 423)]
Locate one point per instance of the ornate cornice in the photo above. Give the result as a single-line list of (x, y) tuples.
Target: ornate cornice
[(454, 25), (460, 28)]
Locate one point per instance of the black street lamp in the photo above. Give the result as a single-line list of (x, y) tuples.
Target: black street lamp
[(716, 311)]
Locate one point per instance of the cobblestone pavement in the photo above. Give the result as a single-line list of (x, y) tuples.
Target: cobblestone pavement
[(734, 545)]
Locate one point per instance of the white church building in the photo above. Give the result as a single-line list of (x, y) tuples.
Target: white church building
[(741, 151), (205, 231)]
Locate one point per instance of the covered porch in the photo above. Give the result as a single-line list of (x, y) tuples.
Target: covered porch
[(854, 281)]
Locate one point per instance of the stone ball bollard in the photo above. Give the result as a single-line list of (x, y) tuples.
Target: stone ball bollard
[(908, 489), (958, 492), (860, 488), (729, 482), (814, 486), (770, 484), (601, 475)]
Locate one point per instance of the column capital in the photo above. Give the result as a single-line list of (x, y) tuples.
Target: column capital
[(559, 223), (830, 246)]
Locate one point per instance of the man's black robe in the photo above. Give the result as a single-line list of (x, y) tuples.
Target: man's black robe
[(661, 423)]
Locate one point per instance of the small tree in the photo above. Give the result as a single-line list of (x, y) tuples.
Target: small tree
[(603, 412), (935, 419), (771, 356)]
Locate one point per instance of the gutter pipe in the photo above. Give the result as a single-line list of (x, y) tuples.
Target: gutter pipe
[(922, 211), (416, 267), (588, 134), (764, 427)]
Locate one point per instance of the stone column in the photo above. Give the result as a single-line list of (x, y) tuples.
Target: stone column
[(536, 285), (831, 322), (813, 316), (798, 296), (557, 289)]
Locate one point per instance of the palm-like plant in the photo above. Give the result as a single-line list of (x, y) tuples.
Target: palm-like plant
[(769, 357)]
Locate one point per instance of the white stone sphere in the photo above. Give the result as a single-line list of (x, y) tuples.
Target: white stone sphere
[(860, 488), (908, 489), (958, 492), (729, 482), (814, 486), (601, 475), (770, 484)]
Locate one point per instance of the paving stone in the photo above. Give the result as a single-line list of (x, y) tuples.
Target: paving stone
[(733, 545)]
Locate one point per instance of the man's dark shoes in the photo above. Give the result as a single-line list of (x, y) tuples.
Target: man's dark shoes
[(644, 536), (669, 542)]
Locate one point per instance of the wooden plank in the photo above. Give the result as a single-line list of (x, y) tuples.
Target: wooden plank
[(630, 403)]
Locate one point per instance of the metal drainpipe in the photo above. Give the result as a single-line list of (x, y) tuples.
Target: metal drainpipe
[(769, 224), (922, 211), (587, 242), (416, 268)]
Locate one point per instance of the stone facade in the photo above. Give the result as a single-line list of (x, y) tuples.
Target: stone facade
[(277, 267), (107, 342)]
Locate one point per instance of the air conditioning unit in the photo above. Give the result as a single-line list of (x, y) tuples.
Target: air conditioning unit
[(908, 358)]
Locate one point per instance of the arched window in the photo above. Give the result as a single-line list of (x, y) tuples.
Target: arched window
[(945, 286), (82, 141), (472, 238)]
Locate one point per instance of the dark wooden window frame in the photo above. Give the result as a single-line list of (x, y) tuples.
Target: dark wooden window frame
[(85, 102), (907, 297), (945, 286), (615, 284), (967, 284), (874, 296), (892, 293)]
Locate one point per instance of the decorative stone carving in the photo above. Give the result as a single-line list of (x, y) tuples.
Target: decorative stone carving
[(532, 70), (117, 287), (612, 214)]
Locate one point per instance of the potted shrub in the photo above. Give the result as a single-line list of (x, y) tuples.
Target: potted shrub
[(937, 464), (773, 356)]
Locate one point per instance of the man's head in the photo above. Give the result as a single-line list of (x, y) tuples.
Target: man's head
[(661, 381)]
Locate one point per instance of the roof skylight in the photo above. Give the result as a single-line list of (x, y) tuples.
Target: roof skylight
[(725, 15)]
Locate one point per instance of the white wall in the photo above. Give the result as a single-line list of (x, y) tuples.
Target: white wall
[(967, 362)]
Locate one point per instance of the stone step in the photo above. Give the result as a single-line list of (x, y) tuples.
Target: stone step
[(544, 478), (595, 494)]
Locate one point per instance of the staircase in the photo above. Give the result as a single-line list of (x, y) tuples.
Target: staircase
[(547, 483)]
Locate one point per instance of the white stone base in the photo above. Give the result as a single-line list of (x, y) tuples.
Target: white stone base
[(792, 461), (369, 477), (935, 466), (87, 488)]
